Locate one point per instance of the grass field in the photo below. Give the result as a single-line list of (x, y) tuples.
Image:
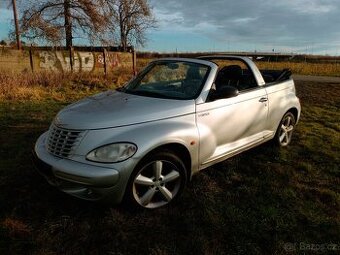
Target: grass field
[(303, 68), (265, 201), (16, 85)]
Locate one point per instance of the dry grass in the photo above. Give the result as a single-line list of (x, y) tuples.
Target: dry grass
[(303, 68), (59, 86), (16, 228), (254, 203), (62, 86)]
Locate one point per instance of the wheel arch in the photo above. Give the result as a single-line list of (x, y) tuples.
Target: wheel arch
[(179, 150), (295, 112)]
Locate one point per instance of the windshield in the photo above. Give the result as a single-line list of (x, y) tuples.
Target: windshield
[(169, 79)]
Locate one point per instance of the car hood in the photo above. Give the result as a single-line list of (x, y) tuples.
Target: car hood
[(114, 109)]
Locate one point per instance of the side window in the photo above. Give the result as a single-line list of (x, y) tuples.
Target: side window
[(234, 73)]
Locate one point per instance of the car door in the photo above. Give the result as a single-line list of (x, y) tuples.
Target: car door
[(227, 126)]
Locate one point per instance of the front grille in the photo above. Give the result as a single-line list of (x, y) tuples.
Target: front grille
[(63, 142)]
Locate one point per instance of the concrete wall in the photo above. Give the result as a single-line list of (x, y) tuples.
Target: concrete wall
[(83, 61)]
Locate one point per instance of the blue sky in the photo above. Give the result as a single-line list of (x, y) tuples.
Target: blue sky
[(300, 26), (5, 22)]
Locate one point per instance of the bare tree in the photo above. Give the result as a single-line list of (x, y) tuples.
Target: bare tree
[(133, 17), (57, 20)]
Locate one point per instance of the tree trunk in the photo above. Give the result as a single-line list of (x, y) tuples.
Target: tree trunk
[(16, 24), (68, 24), (123, 38)]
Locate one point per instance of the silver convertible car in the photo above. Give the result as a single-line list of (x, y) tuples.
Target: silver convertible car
[(144, 141)]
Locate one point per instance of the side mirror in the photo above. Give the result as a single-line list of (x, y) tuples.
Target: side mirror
[(224, 92)]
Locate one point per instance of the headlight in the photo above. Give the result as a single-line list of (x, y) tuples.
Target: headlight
[(112, 153)]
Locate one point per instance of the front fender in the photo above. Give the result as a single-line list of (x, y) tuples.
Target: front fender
[(147, 136)]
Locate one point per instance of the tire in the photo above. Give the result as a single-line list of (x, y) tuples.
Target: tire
[(158, 180), (285, 130)]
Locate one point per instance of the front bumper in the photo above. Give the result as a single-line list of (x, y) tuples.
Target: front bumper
[(78, 179)]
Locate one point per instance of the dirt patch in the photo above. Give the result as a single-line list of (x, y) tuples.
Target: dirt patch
[(317, 93), (313, 78)]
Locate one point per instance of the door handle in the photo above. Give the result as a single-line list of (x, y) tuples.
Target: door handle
[(263, 99)]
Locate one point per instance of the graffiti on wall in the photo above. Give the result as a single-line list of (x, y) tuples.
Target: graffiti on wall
[(111, 60), (82, 61)]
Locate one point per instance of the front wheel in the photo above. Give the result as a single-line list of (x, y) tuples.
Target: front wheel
[(157, 180), (285, 130)]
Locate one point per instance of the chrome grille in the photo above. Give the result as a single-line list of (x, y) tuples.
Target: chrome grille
[(62, 142)]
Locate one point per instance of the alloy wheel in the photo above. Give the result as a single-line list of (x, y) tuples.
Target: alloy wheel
[(156, 184), (286, 130)]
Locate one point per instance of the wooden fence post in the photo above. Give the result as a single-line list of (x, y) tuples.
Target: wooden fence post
[(31, 59), (71, 58), (134, 62), (104, 55)]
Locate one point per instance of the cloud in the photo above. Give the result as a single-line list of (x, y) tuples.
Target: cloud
[(310, 7), (283, 22)]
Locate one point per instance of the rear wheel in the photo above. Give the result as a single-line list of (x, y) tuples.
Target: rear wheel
[(157, 180), (285, 130)]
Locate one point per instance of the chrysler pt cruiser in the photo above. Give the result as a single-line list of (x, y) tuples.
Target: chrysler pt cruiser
[(144, 141)]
